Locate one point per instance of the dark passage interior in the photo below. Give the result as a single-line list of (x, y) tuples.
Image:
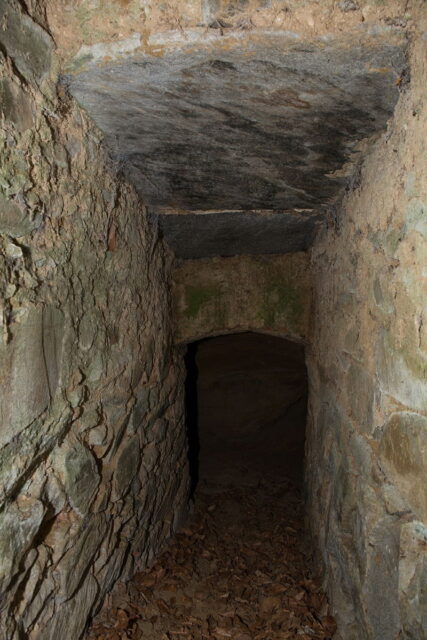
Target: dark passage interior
[(246, 408), (241, 566)]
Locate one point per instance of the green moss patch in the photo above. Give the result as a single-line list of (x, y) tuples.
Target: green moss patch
[(281, 299), (196, 297)]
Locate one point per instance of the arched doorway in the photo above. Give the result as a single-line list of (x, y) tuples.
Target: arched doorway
[(246, 408)]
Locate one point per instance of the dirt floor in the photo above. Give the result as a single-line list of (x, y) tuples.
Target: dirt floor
[(239, 570)]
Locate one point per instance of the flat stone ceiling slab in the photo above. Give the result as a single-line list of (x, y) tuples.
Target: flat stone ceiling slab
[(261, 121), (229, 233)]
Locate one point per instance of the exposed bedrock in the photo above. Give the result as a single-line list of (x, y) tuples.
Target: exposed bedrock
[(227, 167)]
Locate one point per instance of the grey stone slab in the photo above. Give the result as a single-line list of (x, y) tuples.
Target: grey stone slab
[(382, 594), (229, 233), (29, 46), (127, 467), (25, 393), (15, 220), (260, 124), (81, 477), (16, 105), (74, 613), (34, 362), (19, 523), (413, 579)]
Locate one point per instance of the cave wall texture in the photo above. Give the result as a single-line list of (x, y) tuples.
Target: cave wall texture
[(93, 463), (367, 445), (92, 446), (214, 296)]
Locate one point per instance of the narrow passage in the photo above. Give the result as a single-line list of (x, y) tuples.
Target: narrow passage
[(240, 568)]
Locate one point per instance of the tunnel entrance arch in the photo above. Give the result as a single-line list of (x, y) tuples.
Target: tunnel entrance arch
[(246, 404)]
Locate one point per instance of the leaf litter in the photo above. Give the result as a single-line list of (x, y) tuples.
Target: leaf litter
[(240, 569)]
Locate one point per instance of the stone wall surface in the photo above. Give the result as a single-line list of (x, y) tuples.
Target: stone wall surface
[(243, 293), (106, 29), (367, 445), (92, 441), (93, 461)]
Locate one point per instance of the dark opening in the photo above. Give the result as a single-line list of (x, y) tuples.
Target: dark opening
[(191, 408), (239, 567), (246, 409)]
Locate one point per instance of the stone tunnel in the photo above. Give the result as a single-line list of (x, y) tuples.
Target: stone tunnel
[(213, 217)]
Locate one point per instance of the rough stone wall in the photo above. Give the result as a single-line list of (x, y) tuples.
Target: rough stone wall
[(245, 293), (92, 444), (111, 28), (367, 445)]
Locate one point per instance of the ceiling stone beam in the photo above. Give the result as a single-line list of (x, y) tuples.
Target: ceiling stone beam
[(242, 125), (229, 233)]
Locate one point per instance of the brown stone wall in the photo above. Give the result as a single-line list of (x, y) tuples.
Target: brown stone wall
[(367, 445), (244, 293), (92, 444), (121, 26)]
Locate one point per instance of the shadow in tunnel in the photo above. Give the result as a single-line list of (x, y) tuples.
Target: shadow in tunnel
[(191, 410), (246, 403)]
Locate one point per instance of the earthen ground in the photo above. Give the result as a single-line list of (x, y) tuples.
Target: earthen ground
[(240, 569)]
